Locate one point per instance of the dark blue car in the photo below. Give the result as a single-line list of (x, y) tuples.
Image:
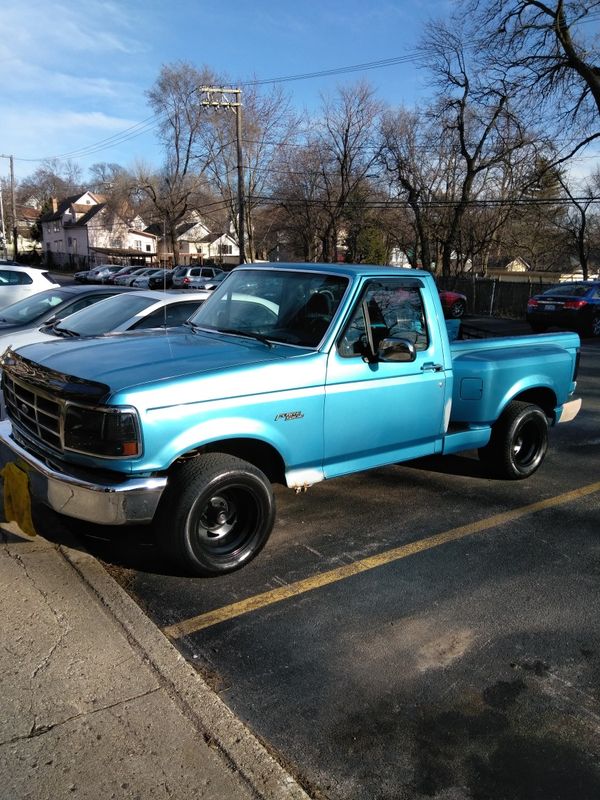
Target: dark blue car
[(574, 306)]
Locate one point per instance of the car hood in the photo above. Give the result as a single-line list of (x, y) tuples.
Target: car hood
[(132, 359)]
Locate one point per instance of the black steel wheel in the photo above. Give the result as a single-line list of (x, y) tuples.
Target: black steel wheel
[(457, 309), (594, 329), (216, 514), (518, 443)]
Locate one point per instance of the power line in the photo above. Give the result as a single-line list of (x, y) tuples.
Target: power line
[(151, 122)]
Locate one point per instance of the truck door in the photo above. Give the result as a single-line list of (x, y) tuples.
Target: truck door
[(378, 412)]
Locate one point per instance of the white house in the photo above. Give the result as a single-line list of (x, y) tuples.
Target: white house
[(83, 230), (197, 243)]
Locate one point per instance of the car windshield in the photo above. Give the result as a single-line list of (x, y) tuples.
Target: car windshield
[(571, 290), (279, 305), (105, 316), (32, 307)]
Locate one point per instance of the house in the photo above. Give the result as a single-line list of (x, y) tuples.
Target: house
[(84, 230), (197, 244)]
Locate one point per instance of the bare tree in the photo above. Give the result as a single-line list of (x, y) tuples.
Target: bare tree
[(53, 178), (347, 146), (475, 115), (549, 56), (177, 188)]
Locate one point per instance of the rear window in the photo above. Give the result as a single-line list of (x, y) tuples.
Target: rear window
[(569, 290), (105, 316)]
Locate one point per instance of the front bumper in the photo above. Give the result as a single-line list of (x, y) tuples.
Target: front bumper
[(132, 500)]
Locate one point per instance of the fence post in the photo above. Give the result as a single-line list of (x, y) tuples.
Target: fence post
[(492, 297)]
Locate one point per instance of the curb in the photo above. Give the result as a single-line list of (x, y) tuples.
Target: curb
[(197, 701)]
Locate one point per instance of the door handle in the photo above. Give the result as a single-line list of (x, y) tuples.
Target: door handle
[(431, 367)]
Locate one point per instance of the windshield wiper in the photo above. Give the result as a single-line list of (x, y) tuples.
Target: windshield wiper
[(247, 334), (64, 331)]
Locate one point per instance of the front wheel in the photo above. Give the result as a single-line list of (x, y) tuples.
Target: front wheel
[(518, 442), (216, 514)]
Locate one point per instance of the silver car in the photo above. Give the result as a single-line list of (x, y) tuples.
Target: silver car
[(183, 276)]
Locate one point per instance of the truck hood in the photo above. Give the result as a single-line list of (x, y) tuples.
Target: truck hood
[(133, 359)]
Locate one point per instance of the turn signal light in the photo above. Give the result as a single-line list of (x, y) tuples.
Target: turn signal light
[(575, 304)]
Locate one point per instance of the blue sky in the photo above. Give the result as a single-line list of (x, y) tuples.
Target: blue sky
[(74, 74)]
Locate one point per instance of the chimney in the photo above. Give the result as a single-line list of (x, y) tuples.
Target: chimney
[(54, 205)]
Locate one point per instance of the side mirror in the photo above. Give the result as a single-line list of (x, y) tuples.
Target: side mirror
[(393, 349)]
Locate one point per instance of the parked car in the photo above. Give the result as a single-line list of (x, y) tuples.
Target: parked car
[(98, 274), (162, 279), (202, 282), (196, 423), (128, 278), (142, 280), (51, 306), (111, 278), (81, 276), (125, 311), (574, 306), (453, 303), (17, 282), (182, 276)]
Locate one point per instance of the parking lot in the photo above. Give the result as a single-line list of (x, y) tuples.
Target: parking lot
[(415, 631)]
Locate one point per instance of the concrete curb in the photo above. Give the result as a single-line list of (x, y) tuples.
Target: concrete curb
[(197, 701)]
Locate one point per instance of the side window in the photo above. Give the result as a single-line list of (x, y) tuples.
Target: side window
[(85, 302), (14, 278), (386, 309), (174, 314)]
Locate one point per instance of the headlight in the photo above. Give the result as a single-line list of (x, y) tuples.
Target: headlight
[(113, 433)]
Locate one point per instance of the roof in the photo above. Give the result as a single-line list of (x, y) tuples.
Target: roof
[(348, 270), (121, 251), (90, 212)]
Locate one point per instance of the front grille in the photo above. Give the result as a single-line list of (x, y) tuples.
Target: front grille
[(33, 412)]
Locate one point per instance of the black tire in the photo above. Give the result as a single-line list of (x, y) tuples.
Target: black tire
[(594, 327), (216, 514), (518, 443), (457, 309)]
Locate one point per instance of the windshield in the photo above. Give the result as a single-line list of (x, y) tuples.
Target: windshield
[(106, 315), (32, 307), (283, 306)]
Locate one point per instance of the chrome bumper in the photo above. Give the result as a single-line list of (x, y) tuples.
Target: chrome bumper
[(110, 503)]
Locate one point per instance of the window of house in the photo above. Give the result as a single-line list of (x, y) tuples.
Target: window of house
[(137, 244), (148, 248), (225, 249)]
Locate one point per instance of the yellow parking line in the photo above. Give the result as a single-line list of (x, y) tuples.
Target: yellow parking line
[(202, 621)]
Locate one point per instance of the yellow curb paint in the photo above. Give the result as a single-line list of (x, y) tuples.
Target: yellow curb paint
[(207, 620)]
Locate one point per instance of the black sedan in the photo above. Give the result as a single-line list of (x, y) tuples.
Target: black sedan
[(51, 305), (574, 306)]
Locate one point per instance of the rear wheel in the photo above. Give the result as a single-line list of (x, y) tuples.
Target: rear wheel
[(594, 328), (518, 442), (216, 514), (457, 309)]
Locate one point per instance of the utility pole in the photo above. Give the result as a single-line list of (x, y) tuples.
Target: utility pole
[(3, 248), (13, 204), (219, 97)]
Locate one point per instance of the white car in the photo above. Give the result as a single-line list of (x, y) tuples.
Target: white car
[(17, 282), (126, 311)]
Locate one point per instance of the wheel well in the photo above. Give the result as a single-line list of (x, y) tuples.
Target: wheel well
[(262, 455), (544, 398)]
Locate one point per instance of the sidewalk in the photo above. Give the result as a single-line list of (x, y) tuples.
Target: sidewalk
[(97, 704)]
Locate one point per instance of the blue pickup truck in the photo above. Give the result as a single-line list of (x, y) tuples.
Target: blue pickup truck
[(289, 373)]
